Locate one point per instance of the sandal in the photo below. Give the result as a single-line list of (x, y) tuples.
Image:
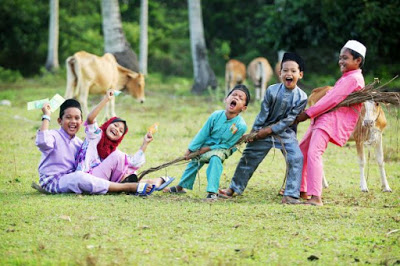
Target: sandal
[(167, 180), (175, 190), (141, 189)]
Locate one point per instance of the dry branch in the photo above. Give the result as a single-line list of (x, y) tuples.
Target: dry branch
[(370, 93), (193, 155)]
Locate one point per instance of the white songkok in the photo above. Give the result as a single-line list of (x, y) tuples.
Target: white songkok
[(356, 46)]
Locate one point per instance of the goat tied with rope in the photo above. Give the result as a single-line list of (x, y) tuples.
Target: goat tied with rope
[(368, 132)]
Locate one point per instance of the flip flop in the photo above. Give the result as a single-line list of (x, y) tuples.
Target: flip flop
[(141, 190), (167, 180), (174, 190)]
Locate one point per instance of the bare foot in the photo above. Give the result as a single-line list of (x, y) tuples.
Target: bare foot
[(290, 200), (228, 192), (304, 195), (158, 181), (315, 201)]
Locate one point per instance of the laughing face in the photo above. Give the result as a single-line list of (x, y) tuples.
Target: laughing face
[(115, 131), (290, 74), (236, 102), (71, 121), (347, 62)]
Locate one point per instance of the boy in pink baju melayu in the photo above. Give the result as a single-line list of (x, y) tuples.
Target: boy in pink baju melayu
[(333, 126)]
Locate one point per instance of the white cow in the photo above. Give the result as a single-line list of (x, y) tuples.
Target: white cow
[(89, 73)]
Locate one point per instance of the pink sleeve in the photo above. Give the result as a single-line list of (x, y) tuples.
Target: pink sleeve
[(333, 97)]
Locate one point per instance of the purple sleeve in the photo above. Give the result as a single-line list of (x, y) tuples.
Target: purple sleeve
[(45, 140)]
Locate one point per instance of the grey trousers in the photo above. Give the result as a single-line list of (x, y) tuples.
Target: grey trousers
[(253, 155)]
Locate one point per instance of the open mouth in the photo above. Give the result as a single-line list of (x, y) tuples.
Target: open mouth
[(233, 104)]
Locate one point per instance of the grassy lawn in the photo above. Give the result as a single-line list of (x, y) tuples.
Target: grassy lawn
[(352, 227)]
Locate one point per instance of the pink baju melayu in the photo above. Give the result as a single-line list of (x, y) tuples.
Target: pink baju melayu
[(334, 126), (114, 167)]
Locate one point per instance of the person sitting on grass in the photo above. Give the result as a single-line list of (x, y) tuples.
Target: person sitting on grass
[(100, 156), (59, 149), (279, 108), (215, 141), (331, 126)]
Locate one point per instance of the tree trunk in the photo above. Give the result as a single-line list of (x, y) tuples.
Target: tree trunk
[(52, 52), (114, 37), (143, 37), (203, 74)]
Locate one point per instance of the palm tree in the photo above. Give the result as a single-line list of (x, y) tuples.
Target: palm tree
[(143, 37), (52, 51), (114, 37), (203, 74)]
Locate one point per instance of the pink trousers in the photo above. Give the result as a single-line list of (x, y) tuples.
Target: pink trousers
[(313, 146), (112, 168)]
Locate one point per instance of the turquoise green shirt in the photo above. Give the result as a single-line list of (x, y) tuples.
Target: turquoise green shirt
[(218, 132)]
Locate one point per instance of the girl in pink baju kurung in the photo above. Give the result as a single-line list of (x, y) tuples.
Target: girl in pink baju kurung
[(331, 126), (99, 154)]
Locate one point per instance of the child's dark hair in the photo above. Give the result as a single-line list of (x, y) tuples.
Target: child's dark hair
[(243, 88), (293, 57), (357, 55), (68, 104)]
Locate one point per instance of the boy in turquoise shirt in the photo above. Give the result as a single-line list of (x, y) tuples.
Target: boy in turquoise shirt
[(216, 141)]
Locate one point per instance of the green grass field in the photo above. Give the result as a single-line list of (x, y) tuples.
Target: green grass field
[(163, 229)]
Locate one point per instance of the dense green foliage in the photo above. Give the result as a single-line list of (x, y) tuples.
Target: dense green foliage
[(233, 29)]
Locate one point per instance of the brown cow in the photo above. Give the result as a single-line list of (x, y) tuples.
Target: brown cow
[(89, 73), (260, 72), (235, 73), (368, 131)]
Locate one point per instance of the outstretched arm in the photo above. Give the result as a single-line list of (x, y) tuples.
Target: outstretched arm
[(146, 140), (96, 110)]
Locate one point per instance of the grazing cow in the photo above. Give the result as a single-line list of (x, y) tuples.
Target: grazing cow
[(235, 73), (368, 131), (88, 73), (260, 72)]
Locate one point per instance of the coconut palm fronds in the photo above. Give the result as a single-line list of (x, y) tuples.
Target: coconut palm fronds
[(372, 93)]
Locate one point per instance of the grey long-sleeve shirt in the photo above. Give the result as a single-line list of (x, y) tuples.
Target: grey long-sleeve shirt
[(279, 109)]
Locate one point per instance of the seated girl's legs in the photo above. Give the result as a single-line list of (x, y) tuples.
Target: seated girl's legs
[(79, 182), (318, 144), (294, 159), (112, 168), (188, 177), (214, 172)]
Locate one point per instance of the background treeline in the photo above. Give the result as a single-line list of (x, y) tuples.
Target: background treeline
[(316, 29)]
